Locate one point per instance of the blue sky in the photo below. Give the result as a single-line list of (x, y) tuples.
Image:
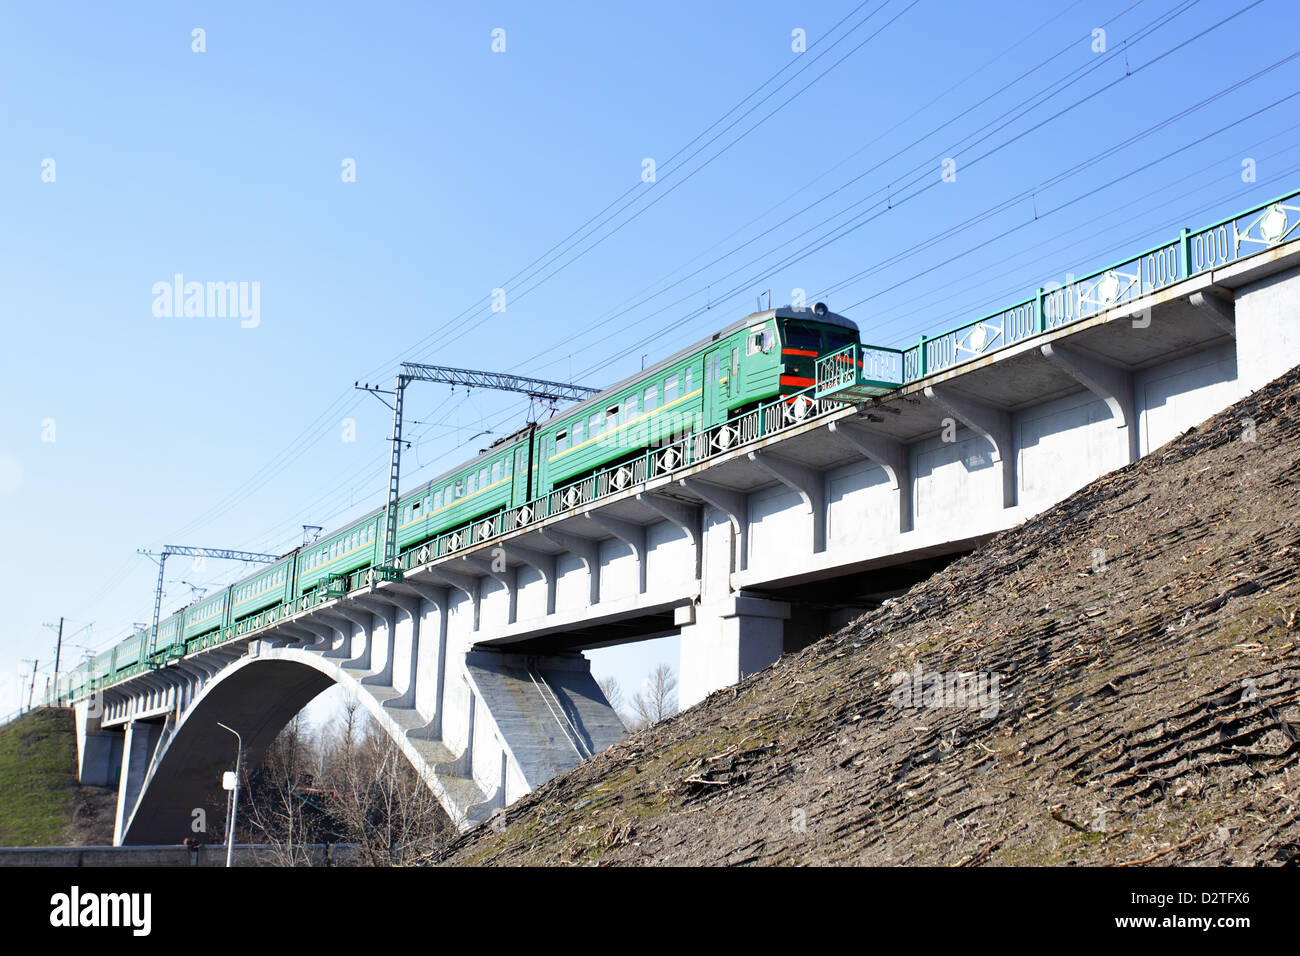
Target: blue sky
[(227, 165)]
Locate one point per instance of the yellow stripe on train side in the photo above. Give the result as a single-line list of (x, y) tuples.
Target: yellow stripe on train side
[(661, 408), (435, 511)]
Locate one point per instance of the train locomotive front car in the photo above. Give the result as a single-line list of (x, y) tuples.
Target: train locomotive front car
[(762, 357)]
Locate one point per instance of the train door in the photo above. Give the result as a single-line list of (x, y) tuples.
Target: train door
[(720, 383)]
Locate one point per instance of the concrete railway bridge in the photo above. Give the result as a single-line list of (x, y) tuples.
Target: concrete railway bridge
[(747, 544)]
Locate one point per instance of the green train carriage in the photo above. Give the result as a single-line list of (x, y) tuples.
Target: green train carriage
[(336, 555), (205, 616), (266, 588), (488, 485), (765, 356)]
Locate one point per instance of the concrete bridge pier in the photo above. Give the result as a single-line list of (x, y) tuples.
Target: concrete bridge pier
[(99, 749), (727, 640), (138, 746)]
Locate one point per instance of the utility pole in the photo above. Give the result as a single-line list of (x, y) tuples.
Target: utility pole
[(58, 655), (147, 648), (499, 381), (31, 689)]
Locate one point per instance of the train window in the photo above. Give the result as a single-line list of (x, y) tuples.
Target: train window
[(473, 483), (800, 337), (427, 501), (651, 399), (577, 434), (460, 488), (611, 417), (735, 361), (630, 407), (594, 425), (507, 461), (560, 438), (437, 500), (670, 389), (483, 477), (838, 340), (687, 389), (496, 471), (406, 515)]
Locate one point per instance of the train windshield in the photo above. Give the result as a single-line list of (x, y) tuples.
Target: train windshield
[(820, 340), (802, 337)]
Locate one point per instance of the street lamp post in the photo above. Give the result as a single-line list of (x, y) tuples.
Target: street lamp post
[(234, 798)]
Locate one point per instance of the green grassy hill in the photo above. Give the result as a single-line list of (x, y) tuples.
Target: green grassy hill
[(38, 765)]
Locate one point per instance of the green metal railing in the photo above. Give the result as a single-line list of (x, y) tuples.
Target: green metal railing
[(1190, 254)]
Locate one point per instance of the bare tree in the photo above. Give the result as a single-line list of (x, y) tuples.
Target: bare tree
[(613, 693), (352, 786), (278, 807), (659, 700), (387, 809)]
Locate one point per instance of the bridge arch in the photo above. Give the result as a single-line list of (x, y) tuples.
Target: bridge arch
[(258, 695)]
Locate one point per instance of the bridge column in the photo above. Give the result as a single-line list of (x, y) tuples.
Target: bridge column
[(733, 504), (99, 749), (1268, 329), (808, 484), (686, 518), (363, 619), (725, 641), (994, 424), (341, 627), (632, 535), (466, 584), (383, 609), (503, 574), (544, 564), (408, 603), (1113, 385), (438, 598), (889, 455), (587, 550), (137, 752), (543, 714)]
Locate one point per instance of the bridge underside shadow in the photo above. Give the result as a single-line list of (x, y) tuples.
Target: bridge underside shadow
[(529, 719), (258, 701)]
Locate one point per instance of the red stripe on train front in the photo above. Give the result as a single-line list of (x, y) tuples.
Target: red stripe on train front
[(798, 381)]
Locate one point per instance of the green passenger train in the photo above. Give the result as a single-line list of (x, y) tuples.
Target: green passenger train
[(766, 356)]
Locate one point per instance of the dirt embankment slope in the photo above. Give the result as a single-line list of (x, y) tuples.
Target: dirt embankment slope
[(1144, 639)]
